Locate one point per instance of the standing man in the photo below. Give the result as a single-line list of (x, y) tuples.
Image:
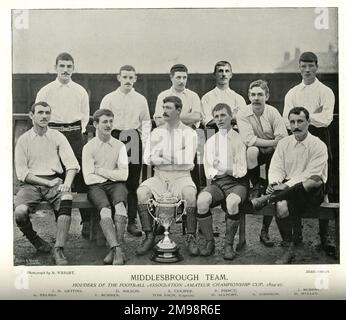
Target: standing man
[(190, 114), (39, 155), (297, 176), (221, 94), (70, 115), (191, 110), (105, 169), (171, 149), (319, 100), (131, 126), (261, 128), (225, 165)]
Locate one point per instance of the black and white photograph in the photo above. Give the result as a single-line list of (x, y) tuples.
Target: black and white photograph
[(160, 143)]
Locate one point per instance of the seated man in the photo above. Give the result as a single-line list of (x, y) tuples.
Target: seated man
[(39, 155), (105, 170), (225, 164), (171, 149), (261, 128), (297, 174)]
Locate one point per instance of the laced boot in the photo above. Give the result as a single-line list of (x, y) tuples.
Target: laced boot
[(28, 231), (147, 244)]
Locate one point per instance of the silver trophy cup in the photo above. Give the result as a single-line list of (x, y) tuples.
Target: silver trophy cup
[(166, 250)]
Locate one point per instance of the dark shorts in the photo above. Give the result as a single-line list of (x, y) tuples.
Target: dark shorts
[(31, 195), (107, 194), (264, 158), (221, 188), (300, 201), (313, 198)]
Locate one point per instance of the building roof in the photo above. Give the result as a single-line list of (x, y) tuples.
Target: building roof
[(327, 61)]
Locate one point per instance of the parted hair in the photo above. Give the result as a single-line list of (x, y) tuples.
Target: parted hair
[(298, 110), (127, 67), (64, 56), (178, 68), (221, 106), (260, 83), (102, 112), (39, 103), (175, 100), (222, 64)]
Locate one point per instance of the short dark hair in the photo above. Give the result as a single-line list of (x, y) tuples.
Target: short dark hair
[(178, 68), (221, 106), (308, 57), (260, 83), (174, 99), (127, 67), (63, 56), (298, 110), (40, 103), (102, 112), (222, 64)]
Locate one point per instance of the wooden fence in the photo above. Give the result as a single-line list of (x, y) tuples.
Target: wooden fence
[(26, 86)]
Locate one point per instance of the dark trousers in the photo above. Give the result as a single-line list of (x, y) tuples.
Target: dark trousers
[(254, 176), (132, 140), (263, 158), (299, 200), (324, 135), (73, 133), (197, 173)]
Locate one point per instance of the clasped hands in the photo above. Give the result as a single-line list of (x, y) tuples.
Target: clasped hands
[(276, 187)]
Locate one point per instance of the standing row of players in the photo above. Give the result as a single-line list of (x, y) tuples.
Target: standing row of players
[(64, 105)]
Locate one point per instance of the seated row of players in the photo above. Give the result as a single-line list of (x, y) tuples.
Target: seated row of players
[(297, 174), (131, 113)]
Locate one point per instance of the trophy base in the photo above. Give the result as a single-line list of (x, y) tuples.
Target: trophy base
[(166, 255)]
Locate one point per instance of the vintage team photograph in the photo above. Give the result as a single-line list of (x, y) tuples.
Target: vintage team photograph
[(178, 136)]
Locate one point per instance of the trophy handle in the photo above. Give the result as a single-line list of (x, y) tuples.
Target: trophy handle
[(177, 219), (150, 204)]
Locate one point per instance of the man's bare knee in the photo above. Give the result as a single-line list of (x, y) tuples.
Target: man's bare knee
[(251, 157), (189, 194), (21, 213), (204, 201), (143, 194), (282, 209), (232, 203), (312, 183)]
